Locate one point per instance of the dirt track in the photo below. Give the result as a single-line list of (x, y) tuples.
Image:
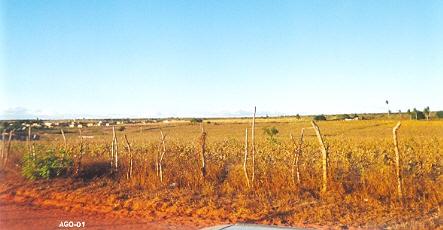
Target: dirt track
[(15, 215)]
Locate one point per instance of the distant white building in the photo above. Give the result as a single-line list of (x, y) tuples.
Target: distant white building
[(36, 125), (352, 119)]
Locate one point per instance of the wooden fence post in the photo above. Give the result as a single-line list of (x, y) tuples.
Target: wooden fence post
[(8, 149), (397, 161), (296, 160), (246, 157), (203, 151), (253, 146), (28, 139), (114, 150), (3, 145), (162, 154), (128, 146), (64, 139), (78, 159), (324, 157)]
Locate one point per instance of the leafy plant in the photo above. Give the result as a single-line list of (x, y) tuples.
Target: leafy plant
[(271, 133), (45, 165)]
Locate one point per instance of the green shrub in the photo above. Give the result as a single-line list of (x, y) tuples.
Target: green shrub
[(341, 117), (439, 114), (271, 133), (196, 120), (45, 165), (319, 118)]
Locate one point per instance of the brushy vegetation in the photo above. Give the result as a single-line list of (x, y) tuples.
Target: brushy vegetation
[(45, 165), (319, 118), (361, 176)]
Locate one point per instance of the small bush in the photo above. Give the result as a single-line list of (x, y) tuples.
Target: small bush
[(271, 133), (121, 128), (45, 165), (439, 114), (319, 118), (196, 120)]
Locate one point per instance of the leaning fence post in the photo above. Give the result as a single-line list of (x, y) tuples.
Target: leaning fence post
[(397, 161), (128, 146), (296, 160), (8, 149), (324, 157), (64, 138)]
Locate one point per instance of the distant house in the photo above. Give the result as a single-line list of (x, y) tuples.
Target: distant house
[(352, 119), (36, 125), (48, 124), (79, 126), (90, 124)]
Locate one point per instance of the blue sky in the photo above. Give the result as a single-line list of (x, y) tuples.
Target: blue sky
[(65, 59)]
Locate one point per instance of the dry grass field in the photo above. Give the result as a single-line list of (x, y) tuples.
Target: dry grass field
[(361, 173)]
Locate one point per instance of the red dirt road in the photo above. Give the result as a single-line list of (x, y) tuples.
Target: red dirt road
[(14, 215)]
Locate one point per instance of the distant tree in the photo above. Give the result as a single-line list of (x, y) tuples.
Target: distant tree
[(387, 104), (342, 116), (418, 114), (196, 120), (415, 112), (410, 114), (319, 118), (427, 112), (439, 114), (297, 116)]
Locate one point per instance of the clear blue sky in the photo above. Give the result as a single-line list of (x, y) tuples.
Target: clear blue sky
[(64, 59)]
